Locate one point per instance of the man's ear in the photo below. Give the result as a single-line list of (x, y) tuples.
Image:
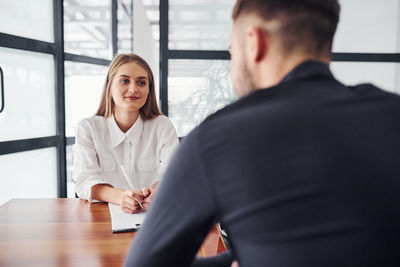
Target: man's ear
[(257, 44)]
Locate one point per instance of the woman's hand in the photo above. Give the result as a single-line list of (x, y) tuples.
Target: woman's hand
[(130, 201), (148, 194)]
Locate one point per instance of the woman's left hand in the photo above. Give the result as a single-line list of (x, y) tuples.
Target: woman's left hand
[(148, 194)]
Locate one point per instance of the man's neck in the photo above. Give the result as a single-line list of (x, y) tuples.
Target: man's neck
[(273, 72)]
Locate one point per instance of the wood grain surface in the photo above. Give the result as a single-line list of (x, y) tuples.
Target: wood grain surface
[(67, 232)]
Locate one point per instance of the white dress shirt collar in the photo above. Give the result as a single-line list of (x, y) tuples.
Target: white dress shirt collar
[(117, 136)]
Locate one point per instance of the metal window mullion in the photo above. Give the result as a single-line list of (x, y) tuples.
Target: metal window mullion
[(22, 43), (15, 146), (199, 54), (164, 56), (114, 27), (366, 57), (60, 98), (70, 140), (86, 59), (337, 57)]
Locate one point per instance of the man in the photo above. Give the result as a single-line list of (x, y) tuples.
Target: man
[(301, 171)]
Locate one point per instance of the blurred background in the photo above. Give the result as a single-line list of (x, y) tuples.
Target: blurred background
[(54, 56)]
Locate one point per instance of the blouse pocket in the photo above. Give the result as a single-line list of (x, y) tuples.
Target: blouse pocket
[(147, 164)]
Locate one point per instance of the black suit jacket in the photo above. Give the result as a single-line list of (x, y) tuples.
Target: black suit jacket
[(306, 173)]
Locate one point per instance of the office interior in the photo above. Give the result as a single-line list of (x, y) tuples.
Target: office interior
[(54, 56)]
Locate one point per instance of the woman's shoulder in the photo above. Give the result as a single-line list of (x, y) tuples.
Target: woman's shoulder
[(161, 122), (92, 121)]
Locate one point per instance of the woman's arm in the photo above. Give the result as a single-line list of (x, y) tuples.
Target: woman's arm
[(105, 192), (169, 144), (127, 199), (86, 169)]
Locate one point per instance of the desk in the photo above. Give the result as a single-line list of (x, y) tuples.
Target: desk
[(67, 232)]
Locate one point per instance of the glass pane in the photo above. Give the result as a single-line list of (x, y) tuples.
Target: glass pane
[(383, 75), (125, 26), (70, 182), (197, 88), (200, 24), (368, 26), (144, 43), (87, 28), (36, 179), (29, 95), (27, 18), (152, 11), (83, 85)]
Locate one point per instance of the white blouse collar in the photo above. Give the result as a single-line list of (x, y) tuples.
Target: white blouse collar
[(117, 136)]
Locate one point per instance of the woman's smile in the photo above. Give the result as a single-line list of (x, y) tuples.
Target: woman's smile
[(131, 98)]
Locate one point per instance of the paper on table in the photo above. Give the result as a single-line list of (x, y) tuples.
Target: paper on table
[(124, 222)]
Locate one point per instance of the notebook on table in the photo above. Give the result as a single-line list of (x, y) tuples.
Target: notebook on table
[(124, 222)]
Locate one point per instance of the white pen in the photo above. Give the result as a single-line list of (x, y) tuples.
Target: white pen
[(129, 182)]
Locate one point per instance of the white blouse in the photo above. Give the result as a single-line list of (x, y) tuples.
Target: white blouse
[(101, 147)]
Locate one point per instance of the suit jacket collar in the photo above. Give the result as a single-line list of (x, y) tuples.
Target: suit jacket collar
[(308, 69)]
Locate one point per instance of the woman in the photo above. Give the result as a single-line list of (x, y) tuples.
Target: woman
[(122, 151)]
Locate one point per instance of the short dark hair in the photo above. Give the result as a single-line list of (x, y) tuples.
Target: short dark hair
[(309, 25)]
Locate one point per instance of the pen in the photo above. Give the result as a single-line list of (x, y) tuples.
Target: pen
[(129, 182)]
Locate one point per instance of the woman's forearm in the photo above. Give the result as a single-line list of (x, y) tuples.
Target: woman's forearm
[(154, 185), (104, 192)]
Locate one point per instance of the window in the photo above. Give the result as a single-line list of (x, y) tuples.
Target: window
[(195, 37), (29, 174), (30, 19), (384, 75), (30, 141), (125, 26), (366, 43), (87, 28), (368, 26), (197, 88), (83, 87), (28, 80), (199, 24)]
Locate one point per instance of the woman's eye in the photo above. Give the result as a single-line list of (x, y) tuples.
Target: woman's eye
[(125, 81), (141, 83)]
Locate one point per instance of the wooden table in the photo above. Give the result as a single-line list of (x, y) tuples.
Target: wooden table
[(67, 232)]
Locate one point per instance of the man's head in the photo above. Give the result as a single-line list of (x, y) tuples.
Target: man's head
[(269, 37)]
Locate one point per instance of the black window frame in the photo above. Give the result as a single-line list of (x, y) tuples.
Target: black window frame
[(56, 48)]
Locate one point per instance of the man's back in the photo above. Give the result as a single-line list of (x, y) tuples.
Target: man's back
[(306, 173)]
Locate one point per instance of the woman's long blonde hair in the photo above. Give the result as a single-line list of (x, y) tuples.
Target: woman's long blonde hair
[(150, 108)]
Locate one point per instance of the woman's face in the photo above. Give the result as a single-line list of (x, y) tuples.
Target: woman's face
[(130, 87)]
